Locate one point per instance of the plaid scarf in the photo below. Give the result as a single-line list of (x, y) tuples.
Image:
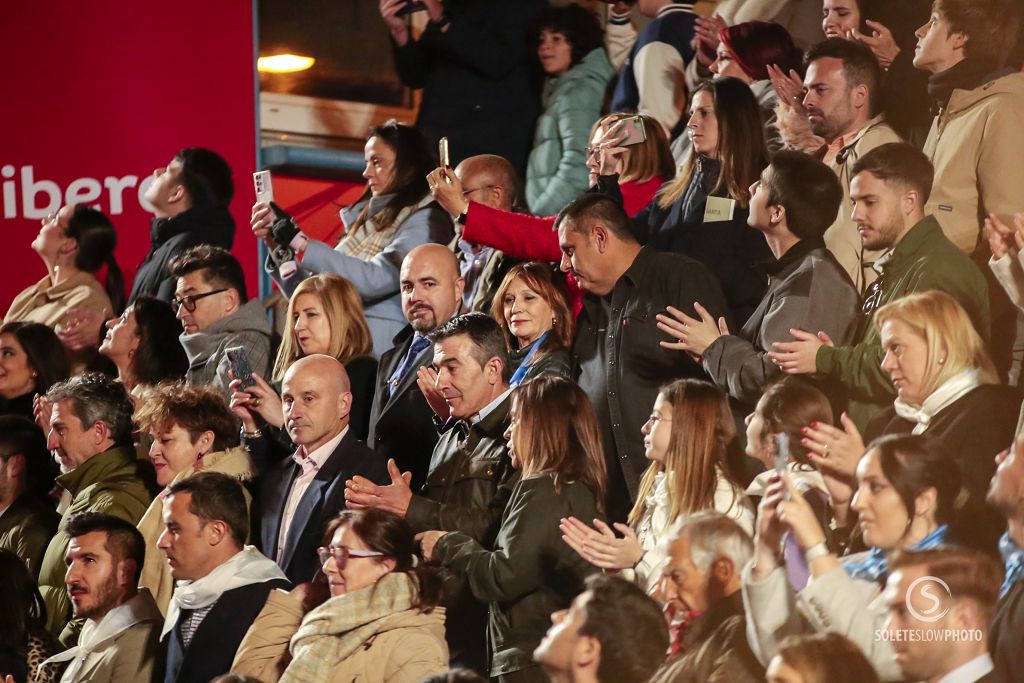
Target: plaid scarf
[(340, 626), (367, 241)]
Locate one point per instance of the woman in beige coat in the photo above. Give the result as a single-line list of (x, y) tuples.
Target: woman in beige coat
[(192, 430), (381, 623)]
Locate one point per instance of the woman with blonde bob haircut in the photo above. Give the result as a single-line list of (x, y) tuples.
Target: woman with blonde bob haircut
[(946, 387), (325, 315), (685, 438), (554, 438), (536, 320)]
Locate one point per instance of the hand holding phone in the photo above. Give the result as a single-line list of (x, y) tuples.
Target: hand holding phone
[(238, 359)]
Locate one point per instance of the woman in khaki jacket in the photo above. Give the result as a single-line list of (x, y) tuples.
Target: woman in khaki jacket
[(192, 430), (381, 623), (75, 242)]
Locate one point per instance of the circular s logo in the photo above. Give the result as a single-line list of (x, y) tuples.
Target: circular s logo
[(928, 588)]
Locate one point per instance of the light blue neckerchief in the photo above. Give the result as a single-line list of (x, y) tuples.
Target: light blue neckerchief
[(1013, 559), (520, 374), (875, 567)]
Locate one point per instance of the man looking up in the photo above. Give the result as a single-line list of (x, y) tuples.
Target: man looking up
[(120, 640), (190, 198), (401, 420), (612, 633)]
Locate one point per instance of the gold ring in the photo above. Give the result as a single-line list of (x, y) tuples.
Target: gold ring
[(256, 403), (826, 452)]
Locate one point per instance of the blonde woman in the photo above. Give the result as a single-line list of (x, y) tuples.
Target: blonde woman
[(946, 388), (325, 315), (685, 439)]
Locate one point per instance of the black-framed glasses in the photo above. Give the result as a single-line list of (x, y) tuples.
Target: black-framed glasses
[(189, 301), (466, 193), (342, 554)]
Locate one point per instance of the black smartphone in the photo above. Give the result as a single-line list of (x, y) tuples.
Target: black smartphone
[(410, 7), (238, 358)]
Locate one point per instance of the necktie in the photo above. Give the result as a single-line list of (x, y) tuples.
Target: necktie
[(418, 346), (1013, 557)]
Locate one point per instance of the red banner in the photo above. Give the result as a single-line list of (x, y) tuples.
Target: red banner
[(98, 94)]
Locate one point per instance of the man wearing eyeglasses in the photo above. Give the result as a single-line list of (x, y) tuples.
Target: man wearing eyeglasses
[(489, 180), (215, 314)]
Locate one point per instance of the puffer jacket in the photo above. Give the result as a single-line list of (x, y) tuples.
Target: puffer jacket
[(207, 362), (976, 143), (109, 483), (156, 573), (557, 170)]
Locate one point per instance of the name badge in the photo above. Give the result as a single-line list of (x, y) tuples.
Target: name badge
[(719, 209)]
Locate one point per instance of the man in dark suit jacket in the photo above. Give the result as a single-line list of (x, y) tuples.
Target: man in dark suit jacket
[(298, 496), (402, 423), (222, 585), (1006, 494)]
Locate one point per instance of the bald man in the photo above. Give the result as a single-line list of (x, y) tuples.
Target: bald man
[(401, 421), (489, 180), (298, 496)]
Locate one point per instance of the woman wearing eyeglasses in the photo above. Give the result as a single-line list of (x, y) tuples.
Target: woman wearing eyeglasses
[(372, 615)]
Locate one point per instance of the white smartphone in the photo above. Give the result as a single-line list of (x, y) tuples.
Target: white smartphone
[(442, 153), (264, 188)]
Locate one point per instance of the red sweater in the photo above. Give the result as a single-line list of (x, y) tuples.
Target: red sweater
[(522, 236), (526, 237)]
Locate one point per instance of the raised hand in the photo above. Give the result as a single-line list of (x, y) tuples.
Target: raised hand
[(446, 188), (600, 546), (834, 450), (428, 541), (426, 380), (789, 87), (81, 328), (257, 401), (360, 492), (881, 42), (691, 334)]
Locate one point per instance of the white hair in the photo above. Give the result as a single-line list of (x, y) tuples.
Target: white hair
[(712, 535)]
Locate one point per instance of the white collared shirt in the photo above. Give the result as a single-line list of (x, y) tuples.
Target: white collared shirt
[(301, 483), (968, 672), (489, 408)]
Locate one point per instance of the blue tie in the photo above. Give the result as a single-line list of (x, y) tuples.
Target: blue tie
[(1013, 557), (419, 344)]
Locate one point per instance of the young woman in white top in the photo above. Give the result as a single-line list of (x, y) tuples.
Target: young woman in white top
[(685, 439)]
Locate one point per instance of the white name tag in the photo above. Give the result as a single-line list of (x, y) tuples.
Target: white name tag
[(719, 209)]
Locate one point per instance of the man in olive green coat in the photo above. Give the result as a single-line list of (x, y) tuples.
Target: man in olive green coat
[(27, 518), (90, 431), (890, 189)]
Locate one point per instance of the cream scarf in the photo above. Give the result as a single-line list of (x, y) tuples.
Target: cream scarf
[(951, 390)]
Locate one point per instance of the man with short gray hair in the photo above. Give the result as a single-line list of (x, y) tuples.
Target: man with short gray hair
[(706, 554), (90, 433)]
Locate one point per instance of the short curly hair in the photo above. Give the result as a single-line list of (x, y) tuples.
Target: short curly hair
[(580, 27), (196, 409)]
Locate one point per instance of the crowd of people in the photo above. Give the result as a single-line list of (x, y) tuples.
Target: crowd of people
[(702, 363)]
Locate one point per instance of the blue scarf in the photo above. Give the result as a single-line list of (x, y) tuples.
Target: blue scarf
[(1013, 558), (875, 567), (520, 374)]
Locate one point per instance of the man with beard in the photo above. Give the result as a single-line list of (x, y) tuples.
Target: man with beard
[(1006, 494), (120, 641), (840, 104), (890, 189), (402, 422)]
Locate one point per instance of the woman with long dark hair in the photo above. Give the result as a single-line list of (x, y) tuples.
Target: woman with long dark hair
[(24, 642), (555, 440), (395, 214), (32, 359), (76, 243), (703, 212), (143, 343)]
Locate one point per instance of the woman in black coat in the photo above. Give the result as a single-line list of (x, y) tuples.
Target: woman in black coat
[(555, 440), (947, 388)]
